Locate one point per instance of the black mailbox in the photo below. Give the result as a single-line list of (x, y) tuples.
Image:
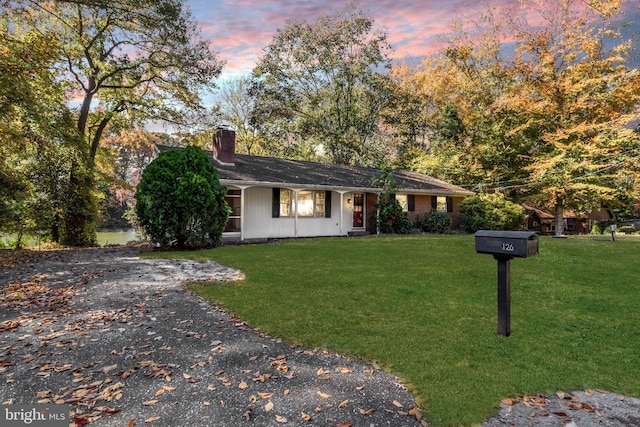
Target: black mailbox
[(507, 243)]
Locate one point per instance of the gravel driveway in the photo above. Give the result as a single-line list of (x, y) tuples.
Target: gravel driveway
[(121, 340)]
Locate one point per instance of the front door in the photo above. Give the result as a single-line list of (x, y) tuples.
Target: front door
[(358, 210)]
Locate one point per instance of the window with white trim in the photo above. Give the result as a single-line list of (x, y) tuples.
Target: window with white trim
[(310, 203)]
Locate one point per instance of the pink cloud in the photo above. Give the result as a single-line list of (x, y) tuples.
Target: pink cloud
[(239, 30)]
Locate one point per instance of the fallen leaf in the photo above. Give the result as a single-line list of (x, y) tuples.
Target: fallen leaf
[(281, 419), (345, 370), (268, 407), (359, 388), (367, 411), (305, 417), (509, 402), (80, 421), (265, 395), (108, 369), (160, 392), (343, 403), (131, 422), (398, 404), (286, 391), (151, 420), (415, 412), (320, 372), (247, 414), (242, 385), (323, 395), (344, 424), (150, 402), (186, 376)]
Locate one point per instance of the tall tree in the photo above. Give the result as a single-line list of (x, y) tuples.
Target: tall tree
[(236, 106), (323, 83), (127, 61), (578, 97), (137, 60), (37, 136)]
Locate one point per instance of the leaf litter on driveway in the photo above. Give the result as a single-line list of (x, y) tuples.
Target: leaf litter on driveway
[(121, 341)]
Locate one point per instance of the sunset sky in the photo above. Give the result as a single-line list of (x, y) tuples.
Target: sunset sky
[(240, 29)]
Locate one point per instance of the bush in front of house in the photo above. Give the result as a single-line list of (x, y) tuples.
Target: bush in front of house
[(180, 201), (392, 220), (389, 217), (490, 212), (434, 222)]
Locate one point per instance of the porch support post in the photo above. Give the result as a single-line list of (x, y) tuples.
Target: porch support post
[(295, 232), (242, 213), (341, 211)]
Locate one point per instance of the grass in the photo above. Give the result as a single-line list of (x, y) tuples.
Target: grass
[(424, 307)]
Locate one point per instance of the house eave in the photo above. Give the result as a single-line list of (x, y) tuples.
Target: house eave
[(338, 189)]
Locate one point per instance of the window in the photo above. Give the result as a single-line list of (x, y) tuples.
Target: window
[(442, 204), (285, 202), (571, 224), (305, 203), (320, 197), (310, 203), (233, 199), (402, 200), (407, 201)]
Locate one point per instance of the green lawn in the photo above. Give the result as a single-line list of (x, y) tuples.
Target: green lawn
[(424, 307)]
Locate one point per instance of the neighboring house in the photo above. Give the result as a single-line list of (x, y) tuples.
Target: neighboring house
[(278, 198), (574, 222)]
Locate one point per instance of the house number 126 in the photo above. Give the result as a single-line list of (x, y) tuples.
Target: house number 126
[(507, 247)]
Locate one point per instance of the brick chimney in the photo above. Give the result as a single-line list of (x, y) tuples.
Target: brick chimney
[(224, 146)]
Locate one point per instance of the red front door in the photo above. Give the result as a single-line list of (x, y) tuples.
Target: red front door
[(358, 210)]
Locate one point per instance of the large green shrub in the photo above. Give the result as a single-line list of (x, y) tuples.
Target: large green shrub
[(434, 222), (180, 201), (490, 212)]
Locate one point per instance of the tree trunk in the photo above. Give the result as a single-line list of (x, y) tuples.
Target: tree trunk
[(559, 217), (86, 107)]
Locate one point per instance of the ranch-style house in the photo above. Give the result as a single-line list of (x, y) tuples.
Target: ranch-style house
[(278, 198)]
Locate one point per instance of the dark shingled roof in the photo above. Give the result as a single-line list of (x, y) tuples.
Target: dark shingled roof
[(257, 170)]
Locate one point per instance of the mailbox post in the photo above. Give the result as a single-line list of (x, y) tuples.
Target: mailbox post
[(504, 246)]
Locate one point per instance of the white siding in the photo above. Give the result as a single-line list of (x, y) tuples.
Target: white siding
[(258, 223)]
